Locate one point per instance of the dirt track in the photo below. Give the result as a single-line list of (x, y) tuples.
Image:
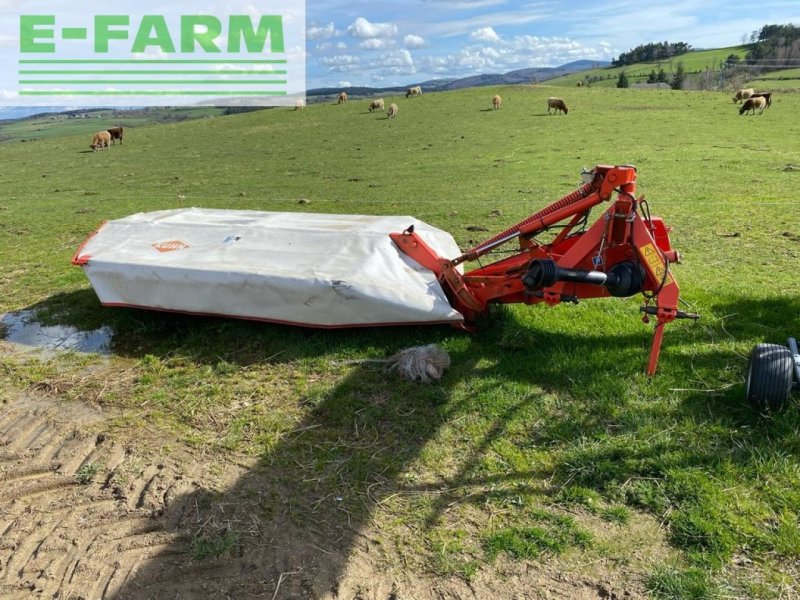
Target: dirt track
[(85, 515)]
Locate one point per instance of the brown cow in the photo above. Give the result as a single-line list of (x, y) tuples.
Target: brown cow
[(766, 95), (342, 98), (116, 134), (751, 104), (557, 104), (101, 140), (496, 102)]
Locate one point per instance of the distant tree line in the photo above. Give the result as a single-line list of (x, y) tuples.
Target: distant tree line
[(651, 52), (776, 42)]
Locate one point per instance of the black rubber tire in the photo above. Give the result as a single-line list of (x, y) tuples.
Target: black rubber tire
[(769, 378)]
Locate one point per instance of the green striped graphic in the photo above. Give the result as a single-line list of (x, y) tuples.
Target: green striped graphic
[(151, 93), (151, 72), (150, 82), (138, 61)]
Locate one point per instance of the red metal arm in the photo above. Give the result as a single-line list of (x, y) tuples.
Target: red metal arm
[(621, 254)]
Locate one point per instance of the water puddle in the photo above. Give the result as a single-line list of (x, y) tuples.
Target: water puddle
[(22, 328)]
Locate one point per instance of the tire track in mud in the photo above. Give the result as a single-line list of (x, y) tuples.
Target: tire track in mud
[(81, 512)]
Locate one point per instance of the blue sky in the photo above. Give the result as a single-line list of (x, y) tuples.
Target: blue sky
[(355, 42)]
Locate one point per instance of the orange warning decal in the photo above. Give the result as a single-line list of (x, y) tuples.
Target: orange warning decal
[(170, 246), (655, 263)]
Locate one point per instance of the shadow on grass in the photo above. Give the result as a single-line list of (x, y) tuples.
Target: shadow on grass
[(583, 397)]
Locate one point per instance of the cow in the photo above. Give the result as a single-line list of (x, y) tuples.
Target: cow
[(116, 134), (100, 141)]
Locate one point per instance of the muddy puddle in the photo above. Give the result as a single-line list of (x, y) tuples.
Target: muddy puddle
[(22, 328)]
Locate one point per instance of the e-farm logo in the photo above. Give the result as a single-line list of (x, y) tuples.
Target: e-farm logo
[(252, 57)]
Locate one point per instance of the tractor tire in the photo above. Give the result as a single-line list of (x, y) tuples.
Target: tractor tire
[(769, 378)]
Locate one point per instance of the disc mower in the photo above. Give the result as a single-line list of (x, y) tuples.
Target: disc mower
[(330, 270)]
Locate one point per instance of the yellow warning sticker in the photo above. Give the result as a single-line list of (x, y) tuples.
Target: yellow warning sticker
[(655, 263)]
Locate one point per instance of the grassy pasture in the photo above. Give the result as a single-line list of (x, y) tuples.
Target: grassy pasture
[(46, 126), (785, 80), (545, 430), (693, 62)]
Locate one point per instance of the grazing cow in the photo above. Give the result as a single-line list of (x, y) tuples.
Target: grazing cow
[(579, 84), (101, 140), (766, 95), (116, 134), (376, 105), (753, 104), (414, 91), (392, 110), (299, 103), (742, 95), (557, 104), (342, 98), (496, 102)]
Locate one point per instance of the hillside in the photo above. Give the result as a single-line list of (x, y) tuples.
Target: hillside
[(694, 62), (531, 75), (39, 125)]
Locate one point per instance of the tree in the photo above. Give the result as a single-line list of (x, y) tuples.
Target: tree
[(678, 77), (622, 82), (652, 77), (662, 76), (651, 52)]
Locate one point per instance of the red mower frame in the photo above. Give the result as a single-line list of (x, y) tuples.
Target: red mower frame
[(625, 252)]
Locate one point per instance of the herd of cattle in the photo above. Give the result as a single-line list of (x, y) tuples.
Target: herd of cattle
[(750, 99), (552, 103)]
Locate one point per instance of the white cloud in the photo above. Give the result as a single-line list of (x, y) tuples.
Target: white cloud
[(321, 33), (340, 63), (345, 83), (520, 52), (401, 58), (361, 28), (485, 34), (375, 44), (453, 28), (325, 46), (339, 59), (399, 62), (414, 41)]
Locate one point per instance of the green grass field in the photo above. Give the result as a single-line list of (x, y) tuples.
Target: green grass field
[(58, 125), (693, 62), (785, 80), (545, 430)]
